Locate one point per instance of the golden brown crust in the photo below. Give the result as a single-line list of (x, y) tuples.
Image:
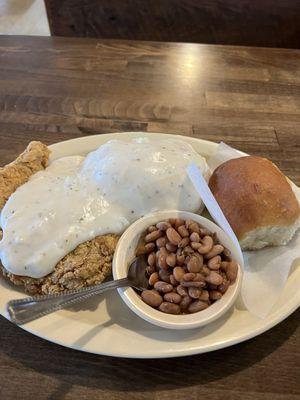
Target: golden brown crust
[(13, 175), (253, 193), (89, 264)]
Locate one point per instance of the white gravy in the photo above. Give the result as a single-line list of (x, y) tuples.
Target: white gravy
[(78, 198)]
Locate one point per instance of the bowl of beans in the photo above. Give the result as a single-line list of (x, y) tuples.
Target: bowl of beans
[(193, 269)]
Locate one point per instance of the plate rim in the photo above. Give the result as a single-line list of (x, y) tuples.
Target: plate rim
[(174, 353), (276, 318)]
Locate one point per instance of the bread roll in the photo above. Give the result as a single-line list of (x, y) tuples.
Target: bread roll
[(257, 201)]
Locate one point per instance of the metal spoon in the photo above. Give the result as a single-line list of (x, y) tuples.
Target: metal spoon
[(27, 309)]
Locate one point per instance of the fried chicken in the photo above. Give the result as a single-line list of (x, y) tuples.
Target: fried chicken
[(88, 264), (13, 175)]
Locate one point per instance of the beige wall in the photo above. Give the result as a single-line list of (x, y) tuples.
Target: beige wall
[(23, 17)]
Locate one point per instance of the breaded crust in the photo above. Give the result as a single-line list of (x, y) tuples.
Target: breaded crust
[(13, 175), (88, 264)]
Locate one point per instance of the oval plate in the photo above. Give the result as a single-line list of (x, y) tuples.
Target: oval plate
[(106, 326)]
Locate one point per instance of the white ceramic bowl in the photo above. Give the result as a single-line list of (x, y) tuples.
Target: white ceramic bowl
[(125, 253)]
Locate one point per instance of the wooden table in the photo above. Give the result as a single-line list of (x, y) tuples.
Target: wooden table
[(53, 89)]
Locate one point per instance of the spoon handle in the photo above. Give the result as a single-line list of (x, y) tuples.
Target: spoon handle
[(27, 309), (212, 205)]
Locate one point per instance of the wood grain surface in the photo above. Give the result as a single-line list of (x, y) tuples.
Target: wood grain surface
[(232, 22), (53, 89)]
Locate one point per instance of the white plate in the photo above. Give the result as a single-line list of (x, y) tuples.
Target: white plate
[(107, 326)]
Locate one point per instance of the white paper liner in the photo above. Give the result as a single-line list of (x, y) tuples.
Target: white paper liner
[(266, 270)]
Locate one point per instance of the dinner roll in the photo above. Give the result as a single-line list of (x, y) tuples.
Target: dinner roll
[(257, 201)]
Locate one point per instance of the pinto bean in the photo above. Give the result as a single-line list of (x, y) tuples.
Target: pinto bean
[(161, 242), (184, 242), (178, 273), (164, 275), (182, 290), (196, 245), (231, 271), (224, 286), (173, 236), (199, 277), (150, 269), (217, 249), (195, 237), (215, 295), (183, 232), (185, 302), (189, 276), (153, 278), (152, 236), (163, 287), (152, 298), (204, 232), (194, 227), (197, 305), (180, 259), (151, 259), (214, 278), (171, 247), (214, 263), (149, 247), (187, 250), (226, 255), (204, 296), (171, 259), (207, 244), (194, 292), (172, 297), (178, 222), (162, 261), (173, 281), (163, 225), (194, 264), (169, 308)]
